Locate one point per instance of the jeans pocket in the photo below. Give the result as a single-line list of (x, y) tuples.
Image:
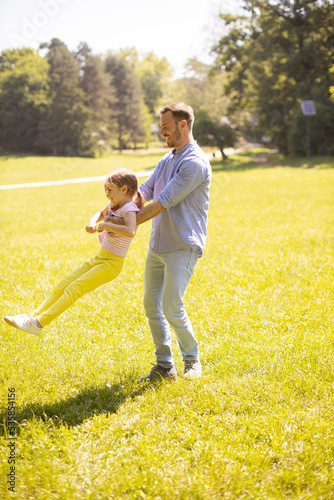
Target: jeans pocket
[(193, 256)]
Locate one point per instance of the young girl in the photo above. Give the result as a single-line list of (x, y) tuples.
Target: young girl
[(121, 188)]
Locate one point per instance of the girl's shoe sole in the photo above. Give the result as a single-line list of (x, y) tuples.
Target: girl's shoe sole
[(10, 321)]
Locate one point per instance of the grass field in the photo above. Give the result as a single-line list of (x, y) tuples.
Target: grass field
[(22, 169), (259, 424)]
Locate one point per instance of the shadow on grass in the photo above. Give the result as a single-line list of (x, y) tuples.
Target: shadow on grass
[(241, 161), (75, 410), (7, 155)]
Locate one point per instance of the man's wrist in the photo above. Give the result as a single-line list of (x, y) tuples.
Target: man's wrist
[(149, 212)]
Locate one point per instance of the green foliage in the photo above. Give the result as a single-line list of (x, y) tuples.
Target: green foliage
[(147, 122), (331, 88), (126, 107), (322, 126), (257, 425), (99, 97), (24, 95), (78, 104), (211, 132), (202, 90), (276, 56), (65, 117), (154, 74)]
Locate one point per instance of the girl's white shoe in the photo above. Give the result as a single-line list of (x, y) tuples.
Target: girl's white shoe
[(25, 323), (9, 319)]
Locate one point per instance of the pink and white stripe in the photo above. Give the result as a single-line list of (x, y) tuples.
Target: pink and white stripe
[(115, 243)]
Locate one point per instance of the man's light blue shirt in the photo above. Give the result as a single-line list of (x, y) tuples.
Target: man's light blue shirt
[(180, 182)]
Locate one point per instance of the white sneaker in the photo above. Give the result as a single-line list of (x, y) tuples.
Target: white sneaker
[(192, 369), (9, 319), (25, 323)]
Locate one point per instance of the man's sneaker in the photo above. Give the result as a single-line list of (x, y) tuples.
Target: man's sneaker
[(25, 323), (159, 372), (192, 369)]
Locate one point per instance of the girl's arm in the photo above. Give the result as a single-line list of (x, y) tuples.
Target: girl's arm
[(128, 229), (91, 226)]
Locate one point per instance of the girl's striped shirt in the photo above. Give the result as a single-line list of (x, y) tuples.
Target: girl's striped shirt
[(115, 243)]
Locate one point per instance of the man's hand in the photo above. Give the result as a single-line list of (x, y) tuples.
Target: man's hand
[(113, 219), (152, 210), (91, 227), (101, 227)]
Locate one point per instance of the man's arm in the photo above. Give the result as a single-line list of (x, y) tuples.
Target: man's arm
[(189, 176), (145, 214), (148, 212)]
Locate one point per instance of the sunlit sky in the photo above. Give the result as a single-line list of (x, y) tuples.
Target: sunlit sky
[(175, 29)]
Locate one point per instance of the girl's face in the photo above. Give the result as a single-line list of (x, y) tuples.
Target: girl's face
[(117, 195)]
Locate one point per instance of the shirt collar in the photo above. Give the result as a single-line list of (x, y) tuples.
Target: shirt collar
[(178, 153)]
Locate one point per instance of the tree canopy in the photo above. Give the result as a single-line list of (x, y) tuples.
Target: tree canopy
[(24, 95), (78, 103), (276, 55), (268, 59)]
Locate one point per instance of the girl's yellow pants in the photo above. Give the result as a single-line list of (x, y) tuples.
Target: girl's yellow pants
[(97, 271)]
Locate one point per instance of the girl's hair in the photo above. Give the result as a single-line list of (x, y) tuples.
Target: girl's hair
[(124, 177)]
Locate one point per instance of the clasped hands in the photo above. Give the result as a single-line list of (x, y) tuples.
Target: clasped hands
[(92, 227)]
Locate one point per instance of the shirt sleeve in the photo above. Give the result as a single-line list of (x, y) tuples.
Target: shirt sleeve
[(128, 207), (147, 187), (190, 175)]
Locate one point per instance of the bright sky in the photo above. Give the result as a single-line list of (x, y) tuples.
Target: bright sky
[(175, 29)]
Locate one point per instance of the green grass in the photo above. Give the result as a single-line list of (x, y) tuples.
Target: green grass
[(19, 169), (259, 424), (246, 160)]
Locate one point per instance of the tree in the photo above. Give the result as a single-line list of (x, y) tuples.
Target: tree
[(154, 75), (276, 55), (331, 88), (126, 109), (212, 132), (322, 128), (96, 84), (64, 121), (24, 88), (99, 96), (202, 89)]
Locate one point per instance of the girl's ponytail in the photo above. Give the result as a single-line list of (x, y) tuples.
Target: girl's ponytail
[(139, 200)]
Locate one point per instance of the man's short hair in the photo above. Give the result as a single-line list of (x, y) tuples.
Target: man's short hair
[(180, 112)]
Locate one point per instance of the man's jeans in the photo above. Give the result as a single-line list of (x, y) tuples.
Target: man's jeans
[(166, 278)]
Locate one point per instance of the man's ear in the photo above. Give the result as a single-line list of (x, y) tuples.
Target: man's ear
[(183, 123)]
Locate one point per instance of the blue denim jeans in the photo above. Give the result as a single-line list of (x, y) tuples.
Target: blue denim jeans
[(166, 278)]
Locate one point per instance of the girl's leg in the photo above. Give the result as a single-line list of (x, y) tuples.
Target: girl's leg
[(62, 285), (101, 271)]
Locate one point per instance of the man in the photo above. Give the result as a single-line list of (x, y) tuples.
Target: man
[(179, 188)]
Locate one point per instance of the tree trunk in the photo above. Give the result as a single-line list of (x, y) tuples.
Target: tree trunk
[(223, 154)]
